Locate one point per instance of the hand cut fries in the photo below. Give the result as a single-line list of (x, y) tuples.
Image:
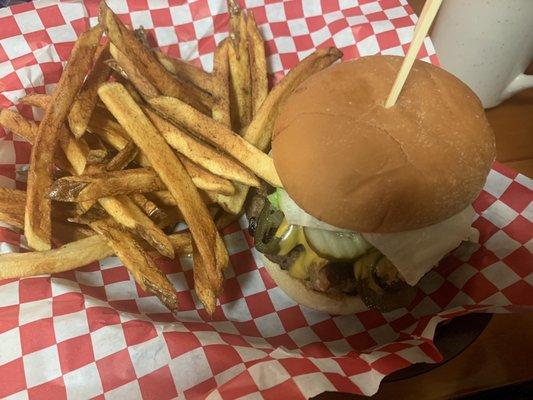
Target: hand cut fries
[(37, 224), (221, 111), (173, 175), (186, 71), (222, 137), (81, 110), (167, 84), (135, 259), (239, 64), (138, 150), (258, 65), (141, 83), (200, 153)]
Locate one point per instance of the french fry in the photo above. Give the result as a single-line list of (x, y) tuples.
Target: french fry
[(200, 153), (164, 198), (113, 134), (128, 214), (219, 135), (259, 132), (83, 107), (36, 100), (140, 81), (221, 108), (239, 65), (19, 125), (204, 290), (12, 207), (151, 209), (123, 209), (137, 261), (123, 158), (186, 71), (258, 64), (145, 61), (214, 257), (112, 183), (70, 256), (37, 226)]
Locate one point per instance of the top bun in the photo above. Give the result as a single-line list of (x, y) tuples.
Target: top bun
[(347, 160)]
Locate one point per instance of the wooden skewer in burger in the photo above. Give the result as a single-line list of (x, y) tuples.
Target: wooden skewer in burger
[(377, 187)]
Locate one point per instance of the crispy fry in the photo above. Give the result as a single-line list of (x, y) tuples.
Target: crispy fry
[(83, 107), (186, 71), (204, 290), (127, 213), (221, 108), (123, 158), (164, 198), (259, 132), (113, 183), (19, 125), (258, 64), (150, 208), (12, 207), (37, 100), (200, 153), (70, 256), (140, 81), (38, 207), (148, 65), (135, 259), (239, 65), (204, 179), (219, 135), (174, 176)]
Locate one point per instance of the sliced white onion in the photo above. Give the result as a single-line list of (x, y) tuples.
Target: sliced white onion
[(297, 216)]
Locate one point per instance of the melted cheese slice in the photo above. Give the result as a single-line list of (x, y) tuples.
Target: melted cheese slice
[(415, 252)]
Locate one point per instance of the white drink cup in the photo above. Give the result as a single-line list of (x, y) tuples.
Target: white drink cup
[(488, 44)]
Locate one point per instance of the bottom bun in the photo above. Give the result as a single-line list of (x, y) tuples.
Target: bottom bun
[(300, 293)]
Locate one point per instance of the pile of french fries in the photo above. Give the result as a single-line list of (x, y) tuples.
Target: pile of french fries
[(133, 142)]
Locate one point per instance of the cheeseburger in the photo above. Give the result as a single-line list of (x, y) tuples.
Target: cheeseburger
[(373, 197)]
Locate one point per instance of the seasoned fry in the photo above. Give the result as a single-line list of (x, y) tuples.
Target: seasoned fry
[(83, 107), (37, 226), (221, 108), (200, 153), (239, 65), (258, 64), (70, 256), (37, 100), (12, 207), (219, 135), (205, 180), (186, 71), (127, 213), (164, 198), (145, 61), (151, 209), (259, 132), (19, 125), (135, 259), (113, 183), (210, 246), (140, 81), (123, 158), (204, 290)]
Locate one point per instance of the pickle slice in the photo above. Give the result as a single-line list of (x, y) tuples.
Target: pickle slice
[(337, 246)]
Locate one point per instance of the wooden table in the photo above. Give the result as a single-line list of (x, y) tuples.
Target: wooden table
[(503, 354)]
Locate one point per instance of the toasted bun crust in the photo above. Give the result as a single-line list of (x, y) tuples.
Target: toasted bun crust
[(350, 162), (300, 293)]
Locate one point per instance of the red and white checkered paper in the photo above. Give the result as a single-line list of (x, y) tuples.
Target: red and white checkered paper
[(92, 333)]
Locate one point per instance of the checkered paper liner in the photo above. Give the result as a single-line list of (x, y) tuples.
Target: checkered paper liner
[(93, 333)]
